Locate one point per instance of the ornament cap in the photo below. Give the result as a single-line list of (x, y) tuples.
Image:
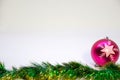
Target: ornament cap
[(107, 37)]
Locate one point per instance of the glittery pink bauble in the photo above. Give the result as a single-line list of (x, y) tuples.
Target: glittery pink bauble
[(104, 51)]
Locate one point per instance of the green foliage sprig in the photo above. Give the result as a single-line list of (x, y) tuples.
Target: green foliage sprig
[(66, 71)]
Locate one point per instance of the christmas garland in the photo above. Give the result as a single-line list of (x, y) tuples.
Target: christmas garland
[(66, 71)]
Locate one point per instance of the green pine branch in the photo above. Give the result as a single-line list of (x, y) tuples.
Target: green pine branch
[(66, 71)]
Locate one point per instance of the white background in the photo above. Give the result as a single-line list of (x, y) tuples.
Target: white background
[(55, 31)]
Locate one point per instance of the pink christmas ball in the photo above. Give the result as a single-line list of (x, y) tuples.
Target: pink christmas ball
[(104, 51)]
